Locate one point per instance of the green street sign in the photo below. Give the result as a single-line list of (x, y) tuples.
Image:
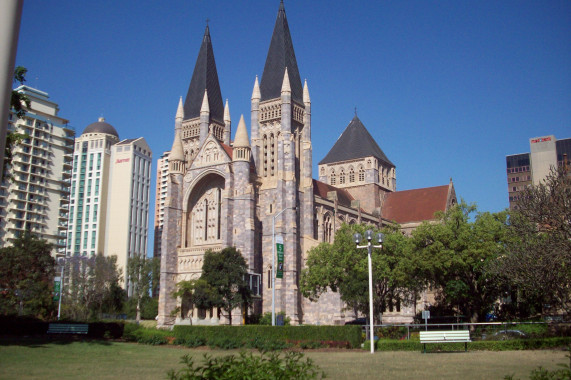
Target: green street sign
[(57, 288), (280, 252)]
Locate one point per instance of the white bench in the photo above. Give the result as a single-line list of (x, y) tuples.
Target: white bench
[(449, 336), (68, 328)]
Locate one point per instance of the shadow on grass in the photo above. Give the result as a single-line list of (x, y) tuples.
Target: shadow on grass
[(41, 341)]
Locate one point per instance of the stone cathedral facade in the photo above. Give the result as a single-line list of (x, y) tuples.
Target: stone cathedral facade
[(224, 192)]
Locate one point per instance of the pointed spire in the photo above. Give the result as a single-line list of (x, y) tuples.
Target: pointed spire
[(285, 84), (256, 91), (227, 113), (205, 106), (180, 110), (306, 98), (241, 140), (204, 76), (177, 151), (280, 55)]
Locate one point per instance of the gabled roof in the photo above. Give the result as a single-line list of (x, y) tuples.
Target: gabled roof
[(280, 56), (321, 189), (355, 142), (204, 77), (415, 205)]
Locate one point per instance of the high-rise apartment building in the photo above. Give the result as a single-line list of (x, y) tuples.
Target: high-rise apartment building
[(160, 197), (523, 169), (109, 204), (35, 196)]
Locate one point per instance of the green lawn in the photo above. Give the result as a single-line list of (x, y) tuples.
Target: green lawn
[(28, 359)]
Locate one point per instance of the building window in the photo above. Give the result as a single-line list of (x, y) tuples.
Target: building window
[(361, 174), (327, 228), (342, 177), (351, 175)]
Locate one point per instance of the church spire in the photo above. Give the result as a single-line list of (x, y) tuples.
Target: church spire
[(204, 76), (280, 56)]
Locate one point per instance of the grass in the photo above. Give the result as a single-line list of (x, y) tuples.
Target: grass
[(35, 359)]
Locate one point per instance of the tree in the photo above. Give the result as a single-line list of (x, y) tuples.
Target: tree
[(538, 263), (196, 293), (93, 287), (455, 254), (140, 272), (18, 102), (343, 268), (26, 277), (226, 271)]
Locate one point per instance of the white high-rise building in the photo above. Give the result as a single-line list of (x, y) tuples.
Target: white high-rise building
[(160, 197), (109, 204), (89, 189), (35, 196), (127, 226)]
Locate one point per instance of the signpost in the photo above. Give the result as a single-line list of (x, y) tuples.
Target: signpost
[(57, 288), (426, 317), (280, 251)]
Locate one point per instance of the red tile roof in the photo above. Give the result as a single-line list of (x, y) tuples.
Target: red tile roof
[(415, 205), (321, 189), (227, 149)]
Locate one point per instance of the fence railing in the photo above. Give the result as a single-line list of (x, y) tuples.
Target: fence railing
[(479, 331)]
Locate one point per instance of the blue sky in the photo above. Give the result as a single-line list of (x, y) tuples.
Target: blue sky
[(447, 88)]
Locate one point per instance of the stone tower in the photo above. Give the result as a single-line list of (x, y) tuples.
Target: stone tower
[(281, 149)]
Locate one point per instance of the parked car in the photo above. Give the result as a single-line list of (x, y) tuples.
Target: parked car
[(506, 335), (358, 321)]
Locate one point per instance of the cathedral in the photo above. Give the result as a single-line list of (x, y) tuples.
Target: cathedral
[(259, 186)]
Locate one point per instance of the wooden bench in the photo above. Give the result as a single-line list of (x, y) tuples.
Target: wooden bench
[(449, 336), (68, 328)]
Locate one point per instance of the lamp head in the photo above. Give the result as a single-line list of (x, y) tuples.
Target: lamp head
[(369, 235), (380, 237), (357, 238)]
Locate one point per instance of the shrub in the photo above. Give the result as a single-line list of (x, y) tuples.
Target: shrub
[(244, 334), (391, 332), (266, 319), (151, 336), (248, 366), (225, 343), (106, 330)]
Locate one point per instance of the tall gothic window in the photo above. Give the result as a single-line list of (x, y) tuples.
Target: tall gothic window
[(361, 174), (327, 228), (204, 218), (333, 178), (272, 154), (342, 177), (351, 175), (265, 155)]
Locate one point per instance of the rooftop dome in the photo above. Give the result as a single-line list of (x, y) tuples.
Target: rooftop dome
[(101, 127)]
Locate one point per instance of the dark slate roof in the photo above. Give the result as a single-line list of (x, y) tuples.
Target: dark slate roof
[(321, 189), (101, 127), (280, 56), (355, 142), (415, 205), (204, 77)]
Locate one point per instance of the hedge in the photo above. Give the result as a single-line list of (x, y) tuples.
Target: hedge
[(492, 345), (351, 335)]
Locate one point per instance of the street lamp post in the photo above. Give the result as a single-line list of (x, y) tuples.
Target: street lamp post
[(274, 263), (62, 263), (370, 246)]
